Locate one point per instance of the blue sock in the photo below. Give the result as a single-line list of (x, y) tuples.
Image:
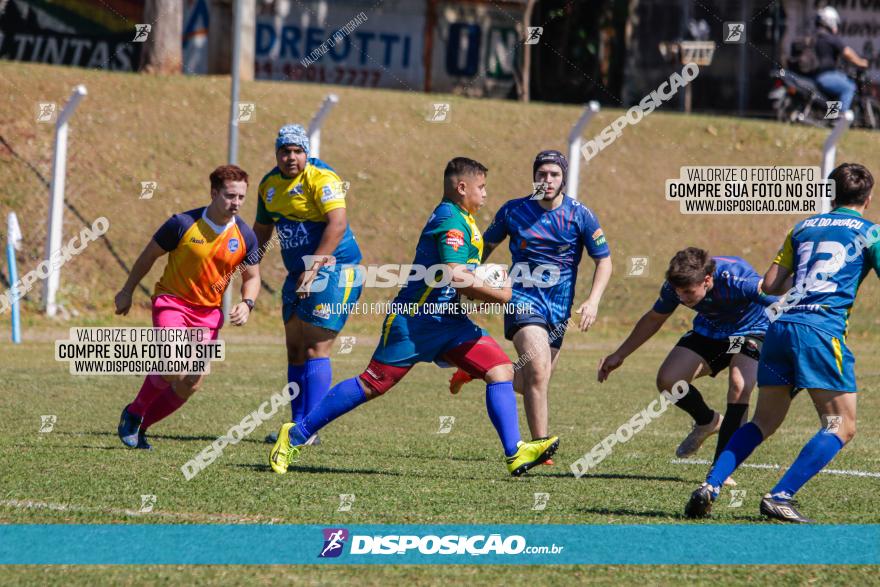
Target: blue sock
[(501, 405), (342, 398), (297, 405), (317, 378), (817, 453), (741, 445)]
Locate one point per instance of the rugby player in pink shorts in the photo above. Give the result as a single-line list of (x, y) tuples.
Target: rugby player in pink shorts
[(205, 247)]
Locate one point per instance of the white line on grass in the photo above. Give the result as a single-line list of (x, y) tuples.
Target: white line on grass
[(770, 466), (60, 507)]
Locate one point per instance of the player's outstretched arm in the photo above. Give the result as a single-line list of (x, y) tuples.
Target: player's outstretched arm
[(250, 289), (138, 271), (589, 310), (777, 280), (645, 328)]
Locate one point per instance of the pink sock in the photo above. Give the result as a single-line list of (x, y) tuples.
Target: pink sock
[(165, 405), (152, 388)]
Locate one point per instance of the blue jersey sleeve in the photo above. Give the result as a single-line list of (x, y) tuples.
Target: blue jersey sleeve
[(668, 301), (263, 216), (169, 234), (749, 288), (497, 231), (593, 236)]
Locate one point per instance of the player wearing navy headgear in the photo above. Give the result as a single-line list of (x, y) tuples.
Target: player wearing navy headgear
[(428, 324), (548, 232), (303, 199), (821, 265), (728, 333)]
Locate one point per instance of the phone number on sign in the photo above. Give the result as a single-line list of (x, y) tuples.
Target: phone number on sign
[(337, 74)]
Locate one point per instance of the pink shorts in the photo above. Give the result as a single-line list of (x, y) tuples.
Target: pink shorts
[(172, 312)]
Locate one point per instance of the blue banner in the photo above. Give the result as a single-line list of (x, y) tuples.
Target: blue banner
[(447, 544)]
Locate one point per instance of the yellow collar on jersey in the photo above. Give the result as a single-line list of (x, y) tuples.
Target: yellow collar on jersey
[(306, 197)]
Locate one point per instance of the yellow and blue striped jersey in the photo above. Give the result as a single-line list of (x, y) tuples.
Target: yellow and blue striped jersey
[(298, 208)]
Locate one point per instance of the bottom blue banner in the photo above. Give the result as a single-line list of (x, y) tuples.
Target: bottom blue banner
[(443, 544)]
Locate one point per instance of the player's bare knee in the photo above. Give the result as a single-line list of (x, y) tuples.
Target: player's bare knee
[(373, 388), (538, 376), (767, 426), (317, 353), (318, 346), (738, 394), (499, 373), (185, 389), (846, 432), (295, 356), (665, 381), (536, 393), (372, 391)]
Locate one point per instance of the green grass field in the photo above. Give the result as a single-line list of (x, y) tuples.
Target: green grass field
[(390, 456)]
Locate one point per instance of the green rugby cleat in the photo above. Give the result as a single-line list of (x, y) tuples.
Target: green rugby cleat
[(283, 453), (530, 454)]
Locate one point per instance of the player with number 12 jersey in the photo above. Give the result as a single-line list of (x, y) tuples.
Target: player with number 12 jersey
[(819, 268)]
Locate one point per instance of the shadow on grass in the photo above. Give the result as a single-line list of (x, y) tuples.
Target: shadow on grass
[(151, 436), (320, 470), (622, 476), (629, 512), (677, 516)]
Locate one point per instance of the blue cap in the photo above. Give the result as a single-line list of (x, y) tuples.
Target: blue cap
[(292, 134)]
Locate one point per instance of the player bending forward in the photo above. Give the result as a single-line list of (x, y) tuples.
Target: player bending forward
[(204, 246), (728, 333), (549, 229), (450, 237), (825, 257)]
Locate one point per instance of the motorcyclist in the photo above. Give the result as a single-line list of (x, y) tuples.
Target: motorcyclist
[(829, 47)]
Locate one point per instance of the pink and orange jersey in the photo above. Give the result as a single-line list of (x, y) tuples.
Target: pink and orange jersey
[(202, 256)]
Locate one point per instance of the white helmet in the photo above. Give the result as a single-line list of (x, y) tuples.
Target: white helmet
[(828, 17)]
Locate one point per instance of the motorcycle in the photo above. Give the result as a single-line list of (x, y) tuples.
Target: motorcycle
[(797, 98), (866, 106)]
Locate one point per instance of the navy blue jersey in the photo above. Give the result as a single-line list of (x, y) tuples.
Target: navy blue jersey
[(829, 255), (551, 238), (733, 307)]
